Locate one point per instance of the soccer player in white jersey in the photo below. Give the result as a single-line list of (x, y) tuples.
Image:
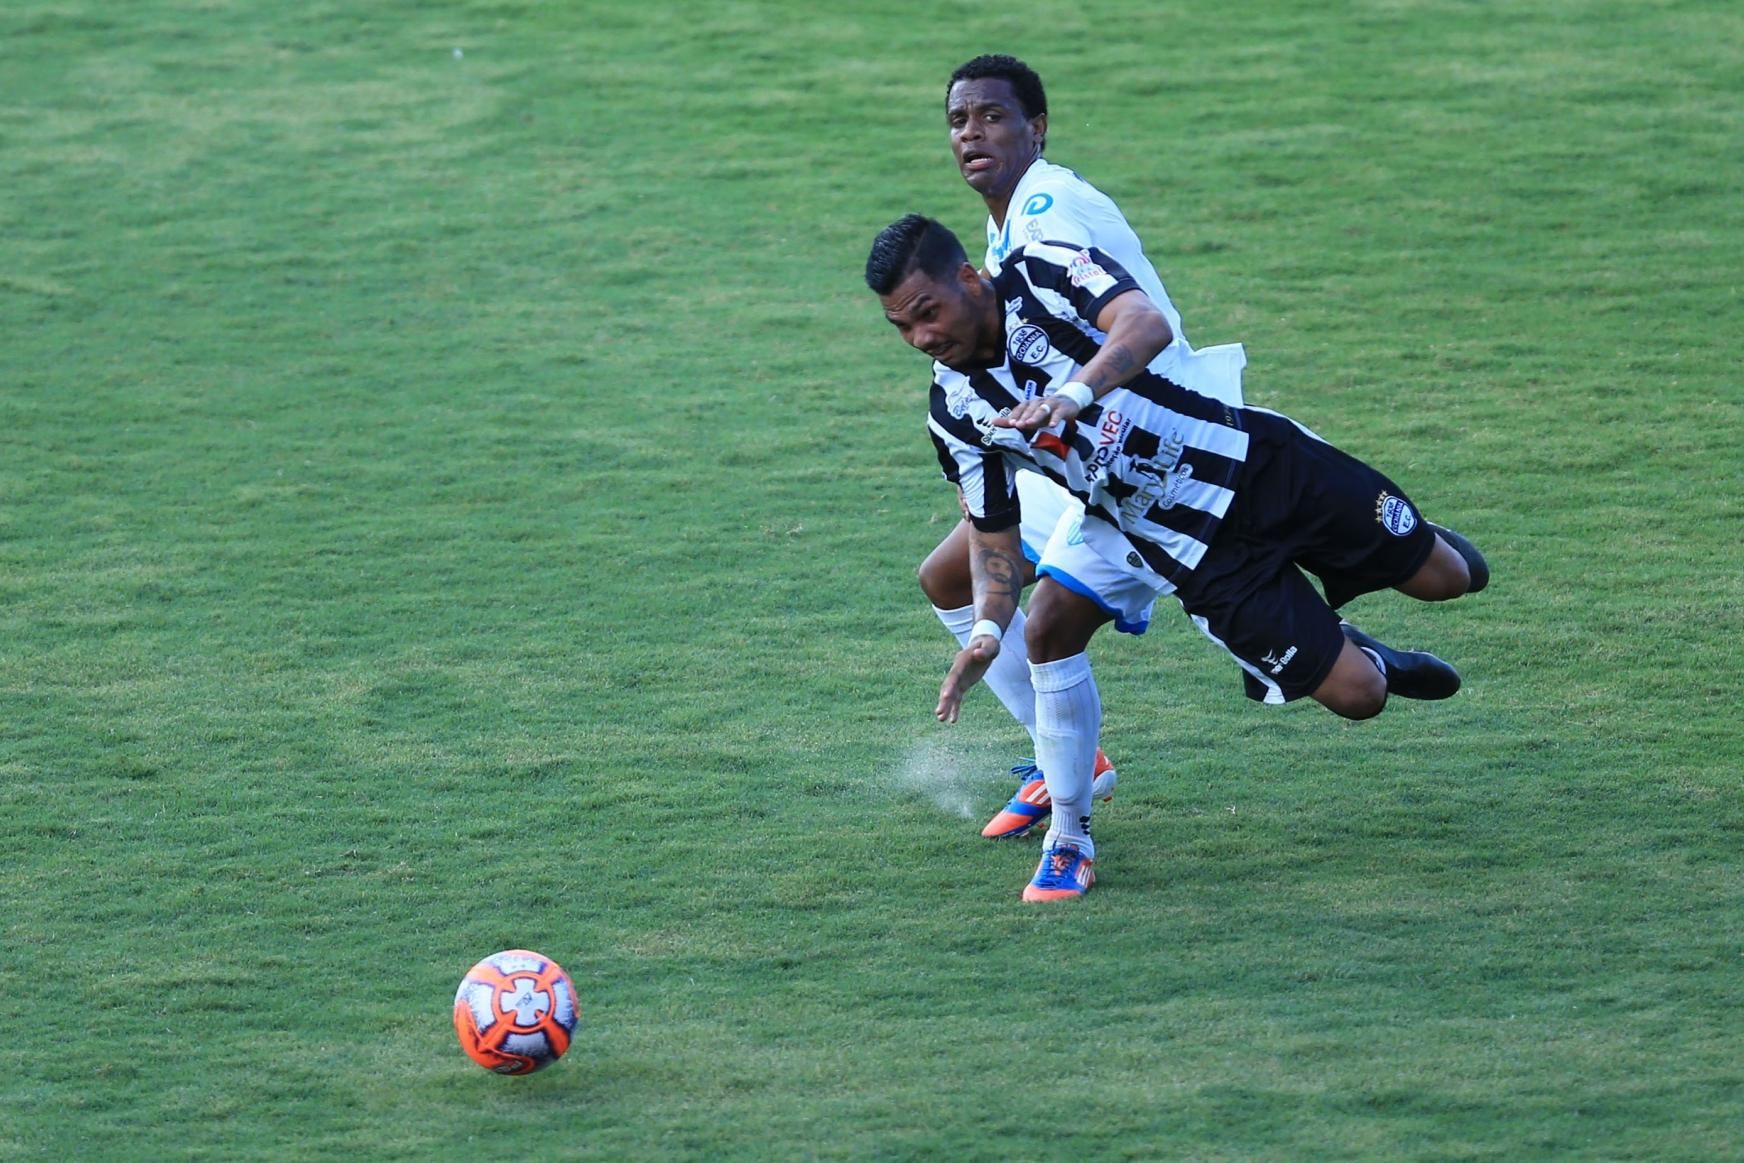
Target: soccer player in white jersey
[(997, 111), (1045, 366)]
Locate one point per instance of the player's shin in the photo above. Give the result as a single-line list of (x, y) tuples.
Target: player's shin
[(1068, 721)]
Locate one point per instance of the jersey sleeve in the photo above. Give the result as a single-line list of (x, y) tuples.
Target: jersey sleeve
[(986, 480), (1085, 278), (1054, 214)]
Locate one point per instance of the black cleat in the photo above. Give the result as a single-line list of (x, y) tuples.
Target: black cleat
[(1411, 674), (1474, 561)]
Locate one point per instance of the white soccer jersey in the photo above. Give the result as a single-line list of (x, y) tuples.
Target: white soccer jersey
[(1154, 463), (1052, 202)]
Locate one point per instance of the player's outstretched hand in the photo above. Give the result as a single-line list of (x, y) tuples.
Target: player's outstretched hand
[(971, 663), (1038, 413)]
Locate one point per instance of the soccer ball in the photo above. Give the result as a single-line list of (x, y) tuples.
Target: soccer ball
[(514, 1012)]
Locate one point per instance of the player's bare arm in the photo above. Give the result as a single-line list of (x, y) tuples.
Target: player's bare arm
[(996, 562), (1136, 333)]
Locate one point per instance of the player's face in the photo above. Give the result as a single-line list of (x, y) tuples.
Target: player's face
[(947, 318), (990, 137)]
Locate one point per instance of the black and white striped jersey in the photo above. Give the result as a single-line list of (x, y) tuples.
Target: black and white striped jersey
[(1155, 464), (1052, 202)]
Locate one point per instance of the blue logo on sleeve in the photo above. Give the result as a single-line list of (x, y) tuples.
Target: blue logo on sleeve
[(1038, 204)]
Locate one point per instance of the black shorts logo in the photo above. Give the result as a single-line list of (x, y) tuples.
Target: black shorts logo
[(1395, 515)]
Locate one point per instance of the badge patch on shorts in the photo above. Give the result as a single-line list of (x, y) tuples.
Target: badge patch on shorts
[(1395, 515)]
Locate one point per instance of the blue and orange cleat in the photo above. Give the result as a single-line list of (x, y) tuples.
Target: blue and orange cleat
[(1032, 805), (1065, 873)]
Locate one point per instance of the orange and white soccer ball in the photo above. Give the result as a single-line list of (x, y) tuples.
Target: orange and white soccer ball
[(515, 1012)]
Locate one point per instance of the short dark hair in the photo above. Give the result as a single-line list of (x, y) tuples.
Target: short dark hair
[(1024, 81), (913, 242)]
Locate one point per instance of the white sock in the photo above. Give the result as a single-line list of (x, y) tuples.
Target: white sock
[(1008, 677), (1068, 720)]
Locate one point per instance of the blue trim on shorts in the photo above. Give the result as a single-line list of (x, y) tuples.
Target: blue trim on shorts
[(1034, 555), (1078, 587)]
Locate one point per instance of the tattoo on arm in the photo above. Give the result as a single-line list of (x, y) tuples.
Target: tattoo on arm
[(1002, 574), (1114, 366)]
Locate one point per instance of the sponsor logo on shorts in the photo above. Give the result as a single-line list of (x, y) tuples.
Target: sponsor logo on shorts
[(1279, 661), (1395, 515), (1028, 344)]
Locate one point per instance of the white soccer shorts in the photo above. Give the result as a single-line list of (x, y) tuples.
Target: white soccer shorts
[(1123, 594), (1044, 505)]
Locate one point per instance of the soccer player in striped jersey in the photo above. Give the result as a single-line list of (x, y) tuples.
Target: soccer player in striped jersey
[(1045, 366), (997, 112)]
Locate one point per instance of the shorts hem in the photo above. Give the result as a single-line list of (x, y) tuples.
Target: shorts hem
[(1121, 623)]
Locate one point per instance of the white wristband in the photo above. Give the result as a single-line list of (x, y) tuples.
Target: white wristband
[(1079, 394), (985, 627)]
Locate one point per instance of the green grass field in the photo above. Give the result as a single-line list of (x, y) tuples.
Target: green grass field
[(456, 493)]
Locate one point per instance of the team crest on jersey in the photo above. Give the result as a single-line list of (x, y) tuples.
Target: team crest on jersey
[(1395, 515), (1084, 269), (1028, 344)]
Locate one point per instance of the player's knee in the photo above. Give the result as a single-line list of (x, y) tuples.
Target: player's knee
[(1043, 638), (943, 582), (1354, 693), (1061, 623), (1364, 704), (1453, 580)]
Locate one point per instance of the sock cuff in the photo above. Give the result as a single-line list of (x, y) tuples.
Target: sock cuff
[(956, 621), (1066, 673), (961, 621)]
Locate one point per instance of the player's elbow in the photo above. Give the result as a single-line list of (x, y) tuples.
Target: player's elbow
[(1141, 327), (1157, 334)]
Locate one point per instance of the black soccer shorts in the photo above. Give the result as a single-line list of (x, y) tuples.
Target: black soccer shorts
[(1301, 505)]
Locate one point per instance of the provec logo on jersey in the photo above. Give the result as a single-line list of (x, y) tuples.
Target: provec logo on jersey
[(1028, 344), (1038, 204)]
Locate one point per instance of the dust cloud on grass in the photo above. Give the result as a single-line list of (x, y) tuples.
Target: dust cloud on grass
[(962, 777)]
